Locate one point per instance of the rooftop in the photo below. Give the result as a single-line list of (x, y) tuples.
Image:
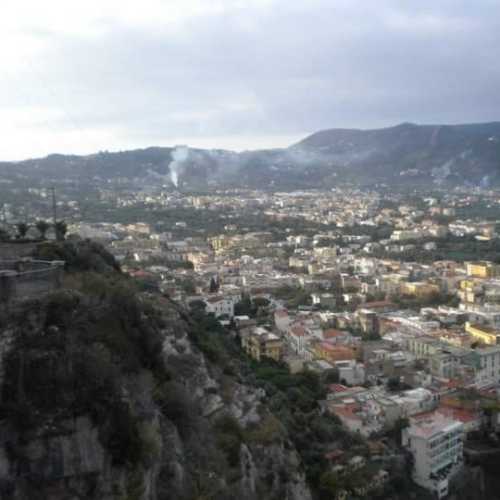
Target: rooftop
[(429, 424)]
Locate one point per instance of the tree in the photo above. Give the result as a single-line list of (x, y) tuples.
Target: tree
[(4, 235), (396, 385), (331, 376), (198, 304), (330, 485), (260, 302), (42, 227), (244, 307), (214, 285), (188, 286), (22, 229), (61, 229), (399, 425)]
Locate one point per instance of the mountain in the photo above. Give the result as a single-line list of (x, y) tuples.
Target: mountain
[(407, 154)]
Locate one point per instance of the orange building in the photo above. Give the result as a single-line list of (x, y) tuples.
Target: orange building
[(333, 353)]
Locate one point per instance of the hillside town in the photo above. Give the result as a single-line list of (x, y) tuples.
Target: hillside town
[(394, 299)]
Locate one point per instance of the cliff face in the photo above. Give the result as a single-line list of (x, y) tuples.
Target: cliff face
[(105, 396)]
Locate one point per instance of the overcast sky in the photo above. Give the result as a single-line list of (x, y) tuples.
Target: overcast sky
[(86, 75)]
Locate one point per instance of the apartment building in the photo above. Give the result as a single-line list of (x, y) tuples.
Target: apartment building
[(436, 444)]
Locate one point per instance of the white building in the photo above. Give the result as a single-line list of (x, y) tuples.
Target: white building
[(416, 401), (298, 339), (401, 235), (487, 363), (436, 444), (351, 372), (323, 299), (282, 320), (220, 306)]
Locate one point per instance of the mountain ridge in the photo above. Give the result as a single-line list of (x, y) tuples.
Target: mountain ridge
[(407, 153)]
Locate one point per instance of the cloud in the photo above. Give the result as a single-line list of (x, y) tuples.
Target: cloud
[(108, 75)]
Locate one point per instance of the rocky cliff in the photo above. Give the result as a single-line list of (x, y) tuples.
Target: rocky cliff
[(106, 395)]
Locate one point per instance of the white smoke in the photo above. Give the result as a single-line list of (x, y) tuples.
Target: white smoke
[(485, 182), (180, 154)]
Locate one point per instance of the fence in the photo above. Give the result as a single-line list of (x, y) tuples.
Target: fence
[(27, 278)]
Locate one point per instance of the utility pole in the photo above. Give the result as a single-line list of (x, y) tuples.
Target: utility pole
[(54, 206)]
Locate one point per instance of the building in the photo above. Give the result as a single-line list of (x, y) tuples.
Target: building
[(333, 353), (401, 235), (446, 364), (423, 347), (486, 362), (436, 444), (261, 343), (282, 320), (482, 333), (298, 339), (415, 401), (481, 269), (323, 299), (368, 321), (363, 418), (220, 306), (351, 372), (419, 289)]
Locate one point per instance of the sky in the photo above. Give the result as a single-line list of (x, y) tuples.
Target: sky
[(86, 76)]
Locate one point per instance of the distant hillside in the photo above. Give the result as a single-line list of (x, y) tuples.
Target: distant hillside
[(454, 154), (406, 154)]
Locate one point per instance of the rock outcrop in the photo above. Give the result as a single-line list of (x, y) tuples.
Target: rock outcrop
[(106, 396)]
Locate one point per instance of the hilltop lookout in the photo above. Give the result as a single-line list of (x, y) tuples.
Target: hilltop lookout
[(28, 278)]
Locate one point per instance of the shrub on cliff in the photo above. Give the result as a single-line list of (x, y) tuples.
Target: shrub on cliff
[(80, 255)]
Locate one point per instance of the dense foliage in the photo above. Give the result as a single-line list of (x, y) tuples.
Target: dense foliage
[(292, 398)]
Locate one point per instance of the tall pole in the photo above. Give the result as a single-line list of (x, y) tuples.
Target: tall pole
[(54, 207)]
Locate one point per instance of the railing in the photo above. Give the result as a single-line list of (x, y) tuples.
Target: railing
[(28, 278)]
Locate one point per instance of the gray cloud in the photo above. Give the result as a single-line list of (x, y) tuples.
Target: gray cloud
[(285, 69)]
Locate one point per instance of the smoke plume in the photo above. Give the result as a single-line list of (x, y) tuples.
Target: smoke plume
[(180, 155)]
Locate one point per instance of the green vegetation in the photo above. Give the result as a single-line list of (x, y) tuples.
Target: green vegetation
[(292, 399), (450, 248), (229, 437), (293, 297), (75, 348), (256, 307), (42, 227), (79, 256), (22, 229), (431, 300), (61, 229)]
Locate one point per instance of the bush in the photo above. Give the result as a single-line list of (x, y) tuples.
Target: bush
[(229, 437), (120, 436), (176, 405), (267, 432), (83, 255), (150, 442)]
